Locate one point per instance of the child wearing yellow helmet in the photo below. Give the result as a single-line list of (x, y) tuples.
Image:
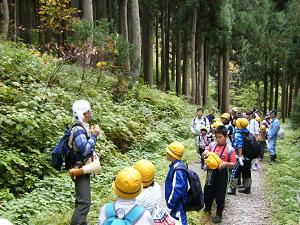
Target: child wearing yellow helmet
[(216, 180), (202, 142), (151, 196), (176, 183), (127, 186), (262, 137)]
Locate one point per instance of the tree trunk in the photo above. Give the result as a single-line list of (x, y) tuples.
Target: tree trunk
[(5, 23), (75, 4), (296, 89), (276, 89), (26, 14), (178, 60), (185, 73), (156, 52), (136, 38), (101, 9), (283, 97), (167, 43), (225, 88), (271, 93), (123, 27), (220, 77), (206, 71), (265, 93), (173, 59), (200, 69), (193, 41), (88, 10), (290, 97), (148, 46), (163, 54), (286, 98)]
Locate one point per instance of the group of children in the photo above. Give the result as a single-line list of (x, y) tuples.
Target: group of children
[(139, 198)]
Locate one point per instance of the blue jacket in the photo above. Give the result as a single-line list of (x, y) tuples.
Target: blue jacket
[(176, 188), (239, 138), (273, 129)]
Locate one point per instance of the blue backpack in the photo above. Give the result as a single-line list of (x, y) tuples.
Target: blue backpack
[(195, 200), (62, 153), (129, 219)]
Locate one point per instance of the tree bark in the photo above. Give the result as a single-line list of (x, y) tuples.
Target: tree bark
[(206, 71), (75, 4), (296, 89), (101, 9), (290, 97), (220, 77), (185, 73), (265, 93), (136, 38), (200, 69), (167, 43), (271, 92), (156, 52), (148, 46), (283, 97), (162, 56), (286, 98), (178, 60), (193, 41), (276, 88), (5, 23), (225, 88), (88, 10), (123, 27), (173, 59)]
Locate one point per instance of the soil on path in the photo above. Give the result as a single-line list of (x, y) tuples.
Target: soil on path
[(241, 209)]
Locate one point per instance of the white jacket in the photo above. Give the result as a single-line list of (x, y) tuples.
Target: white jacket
[(150, 197), (127, 205), (253, 127)]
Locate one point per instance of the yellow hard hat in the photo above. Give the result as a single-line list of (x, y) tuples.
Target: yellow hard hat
[(216, 120), (204, 128), (147, 170), (241, 123), (262, 128), (213, 160), (128, 183), (226, 116), (215, 125), (175, 149), (258, 119)]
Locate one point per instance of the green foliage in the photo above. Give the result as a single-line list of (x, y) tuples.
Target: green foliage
[(295, 118), (284, 179), (138, 125)]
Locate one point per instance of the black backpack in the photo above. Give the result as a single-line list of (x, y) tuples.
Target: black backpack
[(195, 201), (251, 147)]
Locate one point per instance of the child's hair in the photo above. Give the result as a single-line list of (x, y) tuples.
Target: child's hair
[(221, 130), (199, 109)]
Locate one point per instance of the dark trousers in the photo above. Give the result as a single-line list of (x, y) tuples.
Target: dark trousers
[(215, 188), (245, 170), (263, 146), (200, 151), (83, 200)]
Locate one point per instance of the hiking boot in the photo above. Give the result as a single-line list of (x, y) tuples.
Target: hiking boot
[(240, 186), (217, 219), (275, 156), (232, 191), (207, 209), (245, 190)]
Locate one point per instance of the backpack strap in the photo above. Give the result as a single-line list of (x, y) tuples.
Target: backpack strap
[(134, 214), (110, 210)]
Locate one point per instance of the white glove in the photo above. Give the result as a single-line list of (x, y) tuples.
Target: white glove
[(241, 161)]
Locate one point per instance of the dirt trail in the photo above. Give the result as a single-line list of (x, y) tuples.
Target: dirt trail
[(245, 209)]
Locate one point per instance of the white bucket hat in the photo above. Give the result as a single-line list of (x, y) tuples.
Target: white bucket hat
[(79, 107)]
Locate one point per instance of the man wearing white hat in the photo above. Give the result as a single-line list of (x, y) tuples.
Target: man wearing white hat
[(82, 141)]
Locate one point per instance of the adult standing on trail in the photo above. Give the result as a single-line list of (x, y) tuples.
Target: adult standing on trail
[(211, 116), (244, 164), (272, 134), (82, 141)]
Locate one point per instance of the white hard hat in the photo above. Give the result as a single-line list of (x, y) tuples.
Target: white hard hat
[(79, 107)]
